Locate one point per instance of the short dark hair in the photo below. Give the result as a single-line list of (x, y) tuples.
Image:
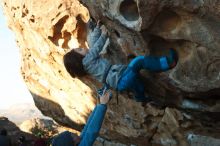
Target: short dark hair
[(73, 64), (4, 132)]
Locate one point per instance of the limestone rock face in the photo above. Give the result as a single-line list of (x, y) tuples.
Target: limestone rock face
[(45, 30), (44, 127), (188, 94)]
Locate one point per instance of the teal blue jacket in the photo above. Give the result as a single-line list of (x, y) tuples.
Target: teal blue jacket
[(91, 130)]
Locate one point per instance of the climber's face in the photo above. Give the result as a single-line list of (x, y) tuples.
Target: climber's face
[(76, 139), (81, 51)]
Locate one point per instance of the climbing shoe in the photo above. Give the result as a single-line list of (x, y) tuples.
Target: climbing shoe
[(172, 58)]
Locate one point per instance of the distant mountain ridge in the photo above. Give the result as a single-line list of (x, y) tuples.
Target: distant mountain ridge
[(22, 112)]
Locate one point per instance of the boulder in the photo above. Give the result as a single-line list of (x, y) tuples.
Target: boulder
[(188, 94)]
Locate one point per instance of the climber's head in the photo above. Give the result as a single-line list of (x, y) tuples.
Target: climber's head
[(66, 139), (73, 62)]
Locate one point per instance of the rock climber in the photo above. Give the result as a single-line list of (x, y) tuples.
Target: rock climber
[(80, 62)]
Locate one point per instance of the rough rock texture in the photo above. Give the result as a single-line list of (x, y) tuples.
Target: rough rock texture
[(14, 132), (45, 127), (43, 29), (189, 93)]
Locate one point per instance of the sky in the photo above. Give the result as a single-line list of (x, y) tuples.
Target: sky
[(12, 87)]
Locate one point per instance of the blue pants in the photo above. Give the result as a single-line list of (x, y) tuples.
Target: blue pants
[(130, 79)]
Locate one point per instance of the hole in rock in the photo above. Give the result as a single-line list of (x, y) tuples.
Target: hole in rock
[(81, 32), (57, 30), (159, 46), (32, 19), (61, 37), (60, 6), (66, 37), (167, 21), (129, 10)]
